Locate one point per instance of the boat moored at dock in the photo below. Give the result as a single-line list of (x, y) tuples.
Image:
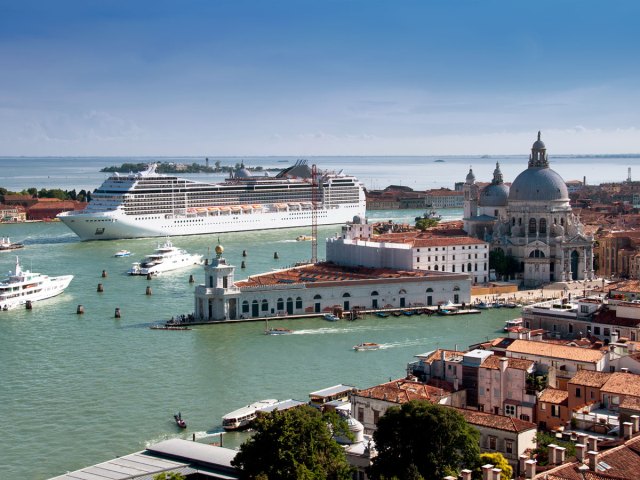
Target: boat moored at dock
[(22, 286), (242, 417)]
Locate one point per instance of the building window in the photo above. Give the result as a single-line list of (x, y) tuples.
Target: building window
[(245, 307), (596, 330), (508, 446), (298, 303), (361, 414), (493, 442), (280, 304), (418, 259), (543, 406), (607, 332), (376, 416), (555, 411), (578, 392), (525, 417), (265, 306), (510, 410)]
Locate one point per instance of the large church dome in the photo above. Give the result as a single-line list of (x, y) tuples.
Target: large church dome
[(538, 183)]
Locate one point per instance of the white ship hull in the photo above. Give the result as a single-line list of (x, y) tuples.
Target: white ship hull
[(51, 287), (116, 225), (167, 265)]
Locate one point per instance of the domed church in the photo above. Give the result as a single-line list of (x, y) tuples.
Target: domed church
[(532, 221)]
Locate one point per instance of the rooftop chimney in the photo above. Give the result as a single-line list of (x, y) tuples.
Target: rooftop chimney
[(593, 443), (496, 473), (560, 455), (465, 474), (530, 469), (486, 471), (627, 429), (581, 449), (504, 363), (551, 449), (523, 458), (593, 460), (635, 419), (582, 438)]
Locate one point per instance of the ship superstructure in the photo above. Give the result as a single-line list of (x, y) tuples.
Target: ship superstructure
[(148, 204)]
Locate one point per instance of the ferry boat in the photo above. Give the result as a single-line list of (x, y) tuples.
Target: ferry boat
[(6, 244), (149, 204), (242, 417), (122, 253), (165, 258), (22, 286)]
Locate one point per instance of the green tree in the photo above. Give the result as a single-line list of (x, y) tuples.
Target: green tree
[(498, 461), (169, 476), (294, 444), (434, 439), (425, 223)]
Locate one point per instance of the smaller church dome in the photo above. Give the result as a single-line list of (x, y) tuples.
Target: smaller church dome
[(494, 195), (471, 178)]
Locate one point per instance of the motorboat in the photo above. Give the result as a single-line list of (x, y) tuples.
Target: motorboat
[(122, 253), (242, 417), (430, 215), (408, 313), (482, 305), (516, 322), (366, 346), (330, 317), (304, 238), (382, 314), (278, 331), (165, 258), (6, 244), (179, 420), (22, 286)]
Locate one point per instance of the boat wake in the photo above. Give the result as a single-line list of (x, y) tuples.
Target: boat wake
[(408, 343), (330, 330)]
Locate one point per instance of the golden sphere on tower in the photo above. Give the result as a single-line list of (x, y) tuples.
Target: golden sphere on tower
[(219, 249)]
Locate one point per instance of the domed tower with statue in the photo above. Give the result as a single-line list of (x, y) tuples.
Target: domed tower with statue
[(534, 224)]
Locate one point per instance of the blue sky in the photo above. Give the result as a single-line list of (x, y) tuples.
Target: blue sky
[(311, 77)]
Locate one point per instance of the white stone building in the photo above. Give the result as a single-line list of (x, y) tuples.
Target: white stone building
[(357, 245), (320, 288)]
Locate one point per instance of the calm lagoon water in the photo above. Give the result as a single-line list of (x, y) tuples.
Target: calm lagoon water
[(80, 389)]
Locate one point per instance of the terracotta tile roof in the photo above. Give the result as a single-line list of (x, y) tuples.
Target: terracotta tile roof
[(543, 349), (555, 396), (623, 463), (498, 422), (403, 391), (589, 378), (630, 403), (493, 362), (430, 238), (609, 317), (623, 384), (329, 273)]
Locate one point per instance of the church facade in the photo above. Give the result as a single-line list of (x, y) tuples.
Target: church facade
[(531, 221)]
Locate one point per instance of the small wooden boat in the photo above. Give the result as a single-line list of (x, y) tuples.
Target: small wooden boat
[(330, 317), (482, 305), (408, 313), (382, 314), (366, 346), (179, 421), (396, 313)]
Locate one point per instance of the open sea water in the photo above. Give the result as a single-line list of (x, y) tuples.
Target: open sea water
[(81, 389)]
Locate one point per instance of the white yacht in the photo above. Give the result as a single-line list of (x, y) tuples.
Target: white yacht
[(165, 258), (22, 286), (148, 204), (242, 417)]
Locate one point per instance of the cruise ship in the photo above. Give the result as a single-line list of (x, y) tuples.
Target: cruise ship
[(149, 204)]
